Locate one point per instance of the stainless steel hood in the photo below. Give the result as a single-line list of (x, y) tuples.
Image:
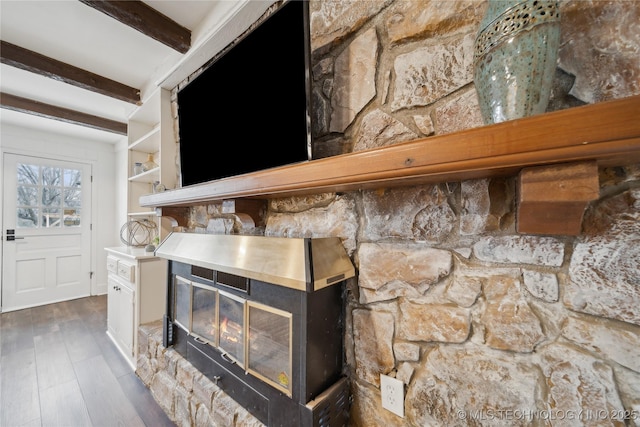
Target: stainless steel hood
[(299, 263)]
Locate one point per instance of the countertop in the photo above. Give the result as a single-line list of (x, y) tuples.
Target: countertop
[(135, 253)]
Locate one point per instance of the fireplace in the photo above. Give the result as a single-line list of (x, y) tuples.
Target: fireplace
[(263, 318)]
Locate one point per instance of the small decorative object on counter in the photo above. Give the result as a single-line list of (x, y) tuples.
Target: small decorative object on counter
[(138, 233), (158, 187), (149, 164), (151, 247), (515, 57)]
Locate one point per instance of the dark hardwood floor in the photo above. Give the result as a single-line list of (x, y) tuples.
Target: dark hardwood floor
[(59, 368)]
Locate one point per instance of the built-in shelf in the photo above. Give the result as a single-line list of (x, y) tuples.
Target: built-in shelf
[(150, 138), (149, 176), (142, 214), (147, 143), (606, 132)]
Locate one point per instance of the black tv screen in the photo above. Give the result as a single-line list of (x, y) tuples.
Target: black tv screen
[(249, 110)]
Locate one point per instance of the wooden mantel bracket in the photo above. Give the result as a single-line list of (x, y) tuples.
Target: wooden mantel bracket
[(178, 216), (552, 199), (251, 212)]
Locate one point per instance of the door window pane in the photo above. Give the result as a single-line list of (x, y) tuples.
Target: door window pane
[(28, 174), (72, 178), (51, 175), (28, 195), (71, 217), (51, 196), (48, 196), (27, 218), (50, 218), (72, 198)]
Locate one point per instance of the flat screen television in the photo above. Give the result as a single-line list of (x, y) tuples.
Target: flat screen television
[(249, 110)]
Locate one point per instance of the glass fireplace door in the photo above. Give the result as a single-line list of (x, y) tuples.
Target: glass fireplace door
[(203, 317), (269, 351), (182, 303), (231, 326)]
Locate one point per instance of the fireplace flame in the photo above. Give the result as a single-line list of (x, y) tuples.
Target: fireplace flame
[(230, 331)]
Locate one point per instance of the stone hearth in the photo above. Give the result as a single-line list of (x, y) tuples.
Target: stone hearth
[(188, 397)]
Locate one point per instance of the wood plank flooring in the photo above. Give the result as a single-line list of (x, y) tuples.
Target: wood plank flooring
[(59, 368)]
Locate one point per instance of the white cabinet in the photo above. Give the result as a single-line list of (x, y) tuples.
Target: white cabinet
[(150, 138), (136, 294), (120, 314)]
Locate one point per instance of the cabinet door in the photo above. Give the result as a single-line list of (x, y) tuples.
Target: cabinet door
[(120, 313), (112, 307), (126, 312)]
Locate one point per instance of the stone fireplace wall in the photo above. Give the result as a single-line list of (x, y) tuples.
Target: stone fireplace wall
[(483, 325)]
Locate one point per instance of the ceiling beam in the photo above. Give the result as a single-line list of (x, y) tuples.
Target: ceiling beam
[(147, 20), (28, 60), (24, 105)]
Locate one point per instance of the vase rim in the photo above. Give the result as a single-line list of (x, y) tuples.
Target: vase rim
[(513, 6), (485, 40)]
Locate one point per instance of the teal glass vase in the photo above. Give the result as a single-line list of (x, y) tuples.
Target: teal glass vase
[(515, 56)]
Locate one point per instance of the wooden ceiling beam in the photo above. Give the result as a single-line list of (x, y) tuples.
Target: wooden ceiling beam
[(34, 62), (24, 105), (147, 20)]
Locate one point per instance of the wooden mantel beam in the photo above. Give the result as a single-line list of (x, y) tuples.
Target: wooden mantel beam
[(23, 105), (147, 20), (34, 62), (607, 133)]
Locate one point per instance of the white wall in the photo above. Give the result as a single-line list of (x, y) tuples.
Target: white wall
[(121, 176), (108, 188)]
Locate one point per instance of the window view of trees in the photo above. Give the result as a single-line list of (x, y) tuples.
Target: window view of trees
[(48, 196)]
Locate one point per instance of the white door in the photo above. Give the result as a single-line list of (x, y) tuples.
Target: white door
[(46, 231)]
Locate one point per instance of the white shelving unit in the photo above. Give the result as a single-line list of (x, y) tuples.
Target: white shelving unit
[(136, 295), (151, 136), (136, 278)]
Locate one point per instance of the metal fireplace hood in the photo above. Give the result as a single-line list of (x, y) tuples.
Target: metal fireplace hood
[(305, 264)]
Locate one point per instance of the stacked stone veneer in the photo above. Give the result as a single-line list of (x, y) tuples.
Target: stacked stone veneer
[(186, 396), (485, 326)]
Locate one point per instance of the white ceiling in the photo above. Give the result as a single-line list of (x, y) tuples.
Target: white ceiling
[(74, 33)]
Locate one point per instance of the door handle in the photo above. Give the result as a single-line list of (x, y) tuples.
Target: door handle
[(11, 235), (225, 356)]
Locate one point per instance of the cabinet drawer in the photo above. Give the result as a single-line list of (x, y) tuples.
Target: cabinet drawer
[(127, 271), (119, 282), (112, 264)]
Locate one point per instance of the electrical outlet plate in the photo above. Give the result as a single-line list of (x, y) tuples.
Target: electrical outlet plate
[(392, 392)]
